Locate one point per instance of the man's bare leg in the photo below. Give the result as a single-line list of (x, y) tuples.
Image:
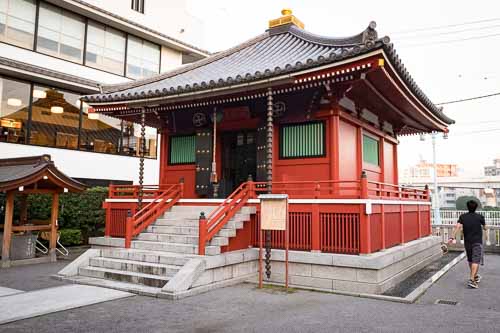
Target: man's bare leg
[(474, 268)]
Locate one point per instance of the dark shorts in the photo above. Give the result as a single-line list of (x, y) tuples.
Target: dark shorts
[(474, 253)]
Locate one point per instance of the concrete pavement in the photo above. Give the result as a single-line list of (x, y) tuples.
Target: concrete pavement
[(39, 302), (243, 308)]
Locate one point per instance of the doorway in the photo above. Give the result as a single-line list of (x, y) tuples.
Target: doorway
[(239, 159)]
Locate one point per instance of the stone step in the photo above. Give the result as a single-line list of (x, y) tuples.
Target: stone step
[(174, 247), (192, 231), (155, 257), (117, 285), (206, 209), (233, 223), (180, 239), (124, 276), (196, 218), (135, 266), (198, 209)]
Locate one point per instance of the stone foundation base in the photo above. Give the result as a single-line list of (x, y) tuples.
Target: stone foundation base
[(369, 274)]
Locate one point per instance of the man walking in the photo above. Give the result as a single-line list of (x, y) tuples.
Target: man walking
[(472, 225)]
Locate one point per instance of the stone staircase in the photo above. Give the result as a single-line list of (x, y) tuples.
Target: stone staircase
[(157, 254)]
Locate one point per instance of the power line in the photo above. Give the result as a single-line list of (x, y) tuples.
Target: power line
[(449, 41), (445, 26), (468, 99), (430, 35)]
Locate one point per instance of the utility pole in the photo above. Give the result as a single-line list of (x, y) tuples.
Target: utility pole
[(437, 213)]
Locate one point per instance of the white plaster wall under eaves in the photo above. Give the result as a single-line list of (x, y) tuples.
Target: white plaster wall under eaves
[(81, 164)]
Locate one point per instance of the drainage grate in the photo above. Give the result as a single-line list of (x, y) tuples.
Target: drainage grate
[(446, 302)]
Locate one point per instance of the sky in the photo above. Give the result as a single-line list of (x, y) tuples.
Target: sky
[(444, 68)]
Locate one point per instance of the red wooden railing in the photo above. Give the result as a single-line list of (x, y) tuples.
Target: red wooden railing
[(132, 191), (217, 219), (167, 196), (385, 190)]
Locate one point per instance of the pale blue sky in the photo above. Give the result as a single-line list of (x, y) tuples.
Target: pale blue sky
[(444, 71)]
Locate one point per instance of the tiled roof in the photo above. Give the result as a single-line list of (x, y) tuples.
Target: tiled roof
[(25, 171), (281, 50), (47, 72)]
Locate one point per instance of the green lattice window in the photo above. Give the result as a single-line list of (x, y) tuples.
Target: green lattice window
[(182, 150), (302, 140), (370, 150)]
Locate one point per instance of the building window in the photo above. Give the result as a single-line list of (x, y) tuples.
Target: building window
[(143, 58), (105, 48), (138, 6), (131, 139), (302, 140), (100, 133), (17, 22), (14, 106), (370, 150), (182, 150), (60, 33), (55, 118)]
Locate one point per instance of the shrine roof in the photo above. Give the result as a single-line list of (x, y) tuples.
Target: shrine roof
[(280, 51), (27, 171)]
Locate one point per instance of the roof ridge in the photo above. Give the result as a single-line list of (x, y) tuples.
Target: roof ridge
[(366, 36), (183, 69)]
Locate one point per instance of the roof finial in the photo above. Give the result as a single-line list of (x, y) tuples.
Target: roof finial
[(287, 18)]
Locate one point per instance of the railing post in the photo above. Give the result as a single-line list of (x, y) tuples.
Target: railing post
[(202, 234), (317, 191), (128, 230), (251, 187), (364, 218), (427, 194), (181, 184), (364, 185), (107, 225)]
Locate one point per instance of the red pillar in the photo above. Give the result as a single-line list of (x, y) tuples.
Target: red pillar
[(315, 232), (382, 222), (402, 224), (419, 222), (364, 219)]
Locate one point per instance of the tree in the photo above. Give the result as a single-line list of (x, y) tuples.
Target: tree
[(461, 202)]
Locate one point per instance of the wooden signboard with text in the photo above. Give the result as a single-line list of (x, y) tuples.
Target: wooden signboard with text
[(273, 216)]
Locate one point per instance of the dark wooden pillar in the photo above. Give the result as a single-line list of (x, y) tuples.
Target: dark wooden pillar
[(7, 228), (269, 140), (142, 150), (54, 215), (269, 170)]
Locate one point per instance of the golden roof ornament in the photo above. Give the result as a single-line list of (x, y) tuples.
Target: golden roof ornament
[(287, 18)]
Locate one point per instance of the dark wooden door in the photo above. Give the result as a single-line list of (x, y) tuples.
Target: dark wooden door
[(239, 159)]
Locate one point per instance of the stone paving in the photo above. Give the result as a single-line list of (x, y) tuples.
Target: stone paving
[(243, 308)]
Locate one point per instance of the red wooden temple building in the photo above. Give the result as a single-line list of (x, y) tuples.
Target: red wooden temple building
[(317, 118)]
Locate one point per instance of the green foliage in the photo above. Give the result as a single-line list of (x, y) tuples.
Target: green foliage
[(70, 237), (80, 211), (461, 202)]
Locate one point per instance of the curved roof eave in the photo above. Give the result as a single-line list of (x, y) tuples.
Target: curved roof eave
[(336, 50)]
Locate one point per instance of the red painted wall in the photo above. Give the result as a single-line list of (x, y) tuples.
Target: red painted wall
[(349, 156)]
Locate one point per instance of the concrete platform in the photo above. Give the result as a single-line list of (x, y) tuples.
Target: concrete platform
[(9, 291), (45, 301)]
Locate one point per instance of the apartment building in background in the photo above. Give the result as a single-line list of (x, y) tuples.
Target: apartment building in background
[(425, 170), (493, 170), (54, 51)]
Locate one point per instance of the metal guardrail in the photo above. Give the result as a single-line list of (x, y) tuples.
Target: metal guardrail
[(491, 236), (451, 216)]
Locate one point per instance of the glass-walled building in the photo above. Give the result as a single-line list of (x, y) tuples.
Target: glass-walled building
[(52, 55)]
